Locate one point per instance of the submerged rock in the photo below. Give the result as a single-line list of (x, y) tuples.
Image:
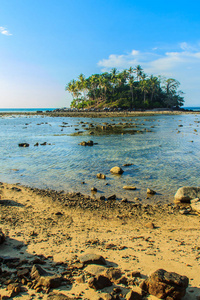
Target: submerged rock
[(101, 176), (116, 170)]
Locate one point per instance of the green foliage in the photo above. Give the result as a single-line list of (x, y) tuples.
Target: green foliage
[(124, 90)]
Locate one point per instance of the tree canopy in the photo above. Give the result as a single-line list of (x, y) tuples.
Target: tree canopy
[(130, 88)]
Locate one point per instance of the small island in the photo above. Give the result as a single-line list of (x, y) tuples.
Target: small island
[(129, 89)]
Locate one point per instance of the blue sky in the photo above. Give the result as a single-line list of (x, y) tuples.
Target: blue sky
[(46, 43)]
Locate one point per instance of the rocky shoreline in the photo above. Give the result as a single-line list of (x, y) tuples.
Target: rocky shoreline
[(100, 114), (73, 246)]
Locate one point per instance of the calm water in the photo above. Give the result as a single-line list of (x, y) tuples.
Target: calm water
[(164, 159)]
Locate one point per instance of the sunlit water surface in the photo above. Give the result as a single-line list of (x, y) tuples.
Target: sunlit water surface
[(164, 159)]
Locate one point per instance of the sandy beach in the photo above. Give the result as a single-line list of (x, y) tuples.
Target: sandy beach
[(54, 230)]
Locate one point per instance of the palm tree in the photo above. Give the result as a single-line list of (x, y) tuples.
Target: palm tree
[(139, 71), (131, 84), (144, 86), (154, 85)]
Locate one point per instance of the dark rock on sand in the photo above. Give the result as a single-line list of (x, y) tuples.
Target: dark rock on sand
[(92, 259), (186, 193), (166, 285), (99, 282)]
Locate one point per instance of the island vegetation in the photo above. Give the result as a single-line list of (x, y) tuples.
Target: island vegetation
[(128, 89)]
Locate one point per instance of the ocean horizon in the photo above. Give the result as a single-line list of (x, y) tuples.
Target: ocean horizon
[(25, 109)]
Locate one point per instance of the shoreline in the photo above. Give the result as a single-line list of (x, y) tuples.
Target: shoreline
[(58, 228), (90, 114)]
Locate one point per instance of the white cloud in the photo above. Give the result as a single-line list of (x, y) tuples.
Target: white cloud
[(4, 31), (182, 64)]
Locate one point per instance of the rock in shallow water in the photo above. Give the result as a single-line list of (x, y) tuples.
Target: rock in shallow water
[(116, 170)]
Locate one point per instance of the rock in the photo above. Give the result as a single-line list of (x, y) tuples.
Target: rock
[(113, 273), (151, 192), (165, 285), (136, 274), (124, 200), (44, 278), (95, 270), (14, 288), (150, 225), (83, 143), (116, 170), (101, 176), (127, 165), (99, 282), (134, 295), (112, 197), (93, 189), (2, 236), (80, 279), (195, 206), (23, 145), (53, 296), (195, 200), (184, 211), (186, 193), (89, 143), (91, 258), (128, 187), (23, 272)]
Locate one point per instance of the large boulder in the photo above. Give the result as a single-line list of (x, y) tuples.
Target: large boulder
[(116, 170), (165, 285), (186, 193)]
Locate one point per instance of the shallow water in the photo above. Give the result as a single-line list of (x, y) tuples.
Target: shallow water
[(164, 159)]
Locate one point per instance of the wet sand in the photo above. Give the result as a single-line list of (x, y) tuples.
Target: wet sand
[(57, 228)]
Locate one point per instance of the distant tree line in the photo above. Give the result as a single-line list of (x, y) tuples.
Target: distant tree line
[(130, 88)]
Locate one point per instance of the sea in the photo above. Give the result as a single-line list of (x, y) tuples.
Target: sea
[(164, 156)]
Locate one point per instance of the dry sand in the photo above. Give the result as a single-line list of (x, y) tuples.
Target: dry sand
[(38, 223)]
